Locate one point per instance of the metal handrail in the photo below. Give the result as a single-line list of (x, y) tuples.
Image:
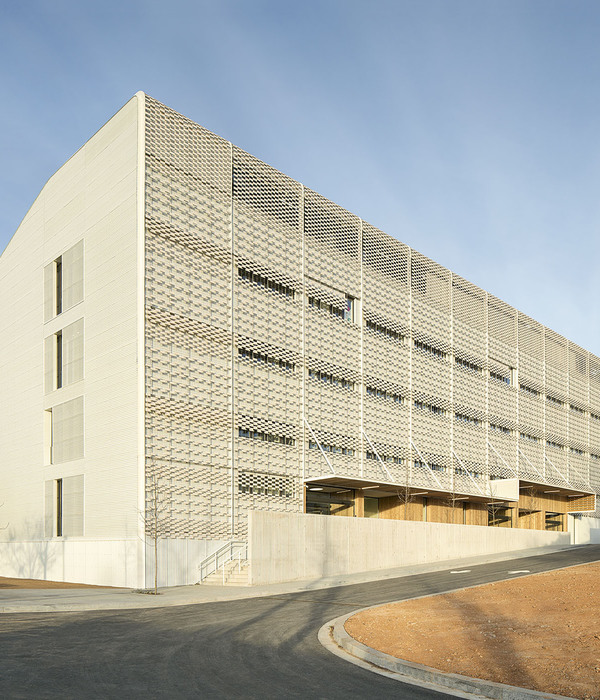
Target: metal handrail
[(213, 562)]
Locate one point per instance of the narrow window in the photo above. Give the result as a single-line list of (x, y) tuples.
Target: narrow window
[(59, 360), (58, 273), (59, 507)]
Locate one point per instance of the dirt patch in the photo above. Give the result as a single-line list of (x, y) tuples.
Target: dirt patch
[(540, 632), (36, 583)]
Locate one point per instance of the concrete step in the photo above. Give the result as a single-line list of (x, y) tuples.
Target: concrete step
[(235, 575)]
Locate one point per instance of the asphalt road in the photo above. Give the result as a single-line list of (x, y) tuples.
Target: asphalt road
[(252, 648)]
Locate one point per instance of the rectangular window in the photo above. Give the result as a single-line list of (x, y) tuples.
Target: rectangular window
[(64, 507), (350, 309), (65, 434), (59, 507), (575, 451), (63, 357), (554, 401), (554, 445), (529, 390), (268, 284), (429, 349), (265, 437), (529, 438), (266, 359), (500, 429), (333, 449), (463, 418), (432, 465), (576, 409), (464, 364), (383, 394), (422, 406), (331, 379), (383, 457), (265, 485), (63, 282), (384, 331)]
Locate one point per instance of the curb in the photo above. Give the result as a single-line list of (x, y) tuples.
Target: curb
[(334, 637)]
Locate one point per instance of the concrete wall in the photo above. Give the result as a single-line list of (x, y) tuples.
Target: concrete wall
[(289, 547), (584, 530), (178, 560), (109, 562)]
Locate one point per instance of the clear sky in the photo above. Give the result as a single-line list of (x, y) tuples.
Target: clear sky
[(466, 128)]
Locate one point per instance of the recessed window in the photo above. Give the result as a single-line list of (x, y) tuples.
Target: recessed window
[(63, 357), (384, 458), (331, 379), (469, 420), (576, 451), (384, 331), (431, 408), (266, 283), (383, 394), (63, 282), (528, 437), (418, 464), (429, 349), (265, 436), (346, 311), (554, 401), (264, 359), (554, 445), (530, 391), (576, 409), (333, 449), (494, 427), (464, 364)]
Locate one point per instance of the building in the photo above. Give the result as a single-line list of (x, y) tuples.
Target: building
[(188, 323)]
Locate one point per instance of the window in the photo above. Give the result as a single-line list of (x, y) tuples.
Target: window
[(576, 409), (434, 467), (333, 449), (383, 394), (63, 357), (575, 451), (429, 349), (534, 393), (59, 507), (345, 312), (331, 379), (265, 485), (268, 284), (463, 418), (554, 401), (384, 331), (554, 445), (64, 507), (63, 282), (500, 429), (529, 438), (266, 359), (468, 365), (500, 377), (384, 458), (422, 406), (462, 471), (595, 416), (265, 437), (64, 432), (595, 457)]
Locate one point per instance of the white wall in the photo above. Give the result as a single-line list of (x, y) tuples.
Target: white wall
[(93, 197), (584, 530), (78, 560), (178, 560), (290, 546)]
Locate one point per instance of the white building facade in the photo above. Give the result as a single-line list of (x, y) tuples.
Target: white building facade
[(184, 320)]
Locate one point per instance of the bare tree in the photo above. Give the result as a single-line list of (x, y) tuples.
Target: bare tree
[(406, 493), (156, 518)]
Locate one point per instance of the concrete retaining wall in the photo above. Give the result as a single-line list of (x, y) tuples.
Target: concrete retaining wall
[(584, 530), (291, 546)]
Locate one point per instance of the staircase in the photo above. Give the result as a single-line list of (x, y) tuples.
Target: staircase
[(233, 573), (228, 566)]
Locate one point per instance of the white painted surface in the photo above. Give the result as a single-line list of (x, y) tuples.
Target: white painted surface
[(289, 546), (78, 560), (584, 530), (178, 560), (92, 198)]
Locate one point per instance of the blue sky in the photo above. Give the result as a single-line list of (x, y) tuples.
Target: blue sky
[(466, 128)]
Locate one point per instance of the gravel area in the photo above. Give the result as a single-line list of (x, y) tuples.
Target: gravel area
[(540, 632)]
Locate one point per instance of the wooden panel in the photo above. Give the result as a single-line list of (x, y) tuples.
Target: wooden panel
[(392, 508), (477, 514), (582, 503), (440, 511)]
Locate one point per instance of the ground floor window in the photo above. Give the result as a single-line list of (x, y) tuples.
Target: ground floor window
[(555, 521), (320, 503), (499, 515)]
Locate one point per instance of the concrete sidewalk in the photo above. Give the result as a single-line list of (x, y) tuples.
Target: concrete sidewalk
[(85, 599)]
